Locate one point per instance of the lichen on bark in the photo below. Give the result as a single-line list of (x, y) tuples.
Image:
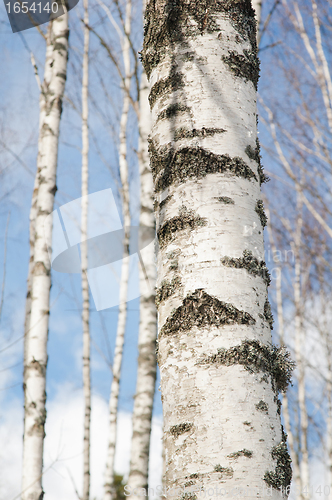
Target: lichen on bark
[(259, 209), (241, 453), (167, 289), (200, 309), (178, 429), (250, 263), (257, 357), (245, 66), (282, 475), (186, 219), (170, 165)]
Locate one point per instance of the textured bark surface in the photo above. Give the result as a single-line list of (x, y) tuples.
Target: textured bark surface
[(109, 491), (218, 368), (84, 259), (147, 362), (37, 324)]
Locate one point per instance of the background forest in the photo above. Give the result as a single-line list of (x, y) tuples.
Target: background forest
[(295, 131)]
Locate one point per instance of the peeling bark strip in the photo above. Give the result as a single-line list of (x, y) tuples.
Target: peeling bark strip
[(245, 66), (257, 357), (169, 23), (201, 310), (250, 263), (169, 165), (185, 219), (176, 430), (167, 289), (282, 475)]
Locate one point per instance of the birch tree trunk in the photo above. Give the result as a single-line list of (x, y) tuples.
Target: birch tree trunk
[(220, 375), (84, 259), (257, 5), (36, 336), (109, 491), (147, 363)]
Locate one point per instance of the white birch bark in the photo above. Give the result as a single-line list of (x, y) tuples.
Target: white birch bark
[(147, 363), (257, 5), (84, 259), (109, 492), (222, 426), (36, 336)]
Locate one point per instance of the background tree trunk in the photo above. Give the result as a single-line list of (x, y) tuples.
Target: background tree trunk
[(36, 335), (109, 492), (84, 259), (220, 404), (147, 362)]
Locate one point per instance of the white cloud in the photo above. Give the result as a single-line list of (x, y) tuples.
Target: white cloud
[(64, 445)]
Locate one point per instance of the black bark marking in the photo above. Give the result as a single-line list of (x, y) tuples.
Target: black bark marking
[(167, 289), (257, 357), (254, 154), (259, 209), (169, 165), (178, 429), (245, 66), (166, 86), (183, 133), (250, 263), (268, 314), (282, 475), (200, 309), (241, 453), (263, 407), (225, 471), (185, 219), (173, 110), (225, 199)]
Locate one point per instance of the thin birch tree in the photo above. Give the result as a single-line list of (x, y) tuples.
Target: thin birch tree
[(37, 315), (147, 362), (220, 375), (109, 491), (84, 258)]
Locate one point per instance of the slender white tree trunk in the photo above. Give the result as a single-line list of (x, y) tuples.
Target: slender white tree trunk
[(218, 369), (257, 5), (109, 493), (84, 259), (147, 363), (299, 342), (281, 331), (36, 336)]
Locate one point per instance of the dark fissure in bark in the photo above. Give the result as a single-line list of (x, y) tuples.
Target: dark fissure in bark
[(172, 22), (178, 429), (281, 477), (268, 314), (200, 309), (166, 86), (245, 66), (259, 208), (250, 263), (241, 453), (167, 289), (182, 133), (169, 165), (173, 110), (257, 357), (165, 201), (185, 219)]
